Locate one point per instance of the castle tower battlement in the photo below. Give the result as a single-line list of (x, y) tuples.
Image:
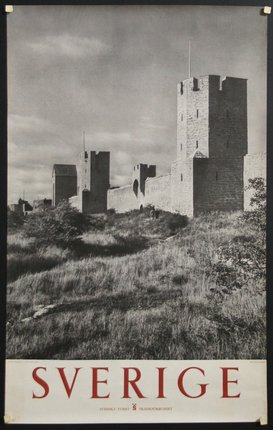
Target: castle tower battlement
[(212, 116)]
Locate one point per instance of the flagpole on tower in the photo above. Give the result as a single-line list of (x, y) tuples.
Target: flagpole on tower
[(83, 141), (189, 58)]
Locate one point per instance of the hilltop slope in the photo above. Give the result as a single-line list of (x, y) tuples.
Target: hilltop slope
[(140, 288)]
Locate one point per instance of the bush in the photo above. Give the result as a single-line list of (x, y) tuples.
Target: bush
[(111, 211), (62, 226), (14, 220), (257, 215), (176, 222), (243, 259)]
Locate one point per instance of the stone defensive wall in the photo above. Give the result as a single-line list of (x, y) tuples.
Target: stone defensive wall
[(182, 186), (123, 199), (158, 192), (254, 167), (218, 184)]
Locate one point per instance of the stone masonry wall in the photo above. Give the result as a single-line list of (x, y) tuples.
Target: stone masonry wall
[(93, 171), (218, 184), (254, 166), (158, 192), (182, 187), (83, 177), (227, 117), (140, 173), (63, 188), (192, 117), (100, 181), (123, 199)]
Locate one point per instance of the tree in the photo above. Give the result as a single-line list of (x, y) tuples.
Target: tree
[(244, 258), (15, 220), (63, 225), (257, 215)]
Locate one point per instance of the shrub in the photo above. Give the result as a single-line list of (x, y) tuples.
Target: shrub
[(257, 215), (243, 259), (111, 211), (176, 221), (62, 226), (15, 220)]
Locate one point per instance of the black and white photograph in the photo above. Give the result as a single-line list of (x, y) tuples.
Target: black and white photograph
[(136, 183), (136, 222)]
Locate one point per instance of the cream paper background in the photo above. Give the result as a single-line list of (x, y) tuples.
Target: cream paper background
[(80, 408)]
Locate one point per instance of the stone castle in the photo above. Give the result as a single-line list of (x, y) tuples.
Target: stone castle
[(211, 168)]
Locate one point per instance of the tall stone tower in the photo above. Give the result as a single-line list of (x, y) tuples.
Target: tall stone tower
[(211, 144), (93, 172), (64, 182)]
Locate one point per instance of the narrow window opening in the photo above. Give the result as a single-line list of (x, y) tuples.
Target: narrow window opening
[(181, 177), (181, 147), (181, 88), (135, 187), (197, 113), (195, 84), (196, 144)]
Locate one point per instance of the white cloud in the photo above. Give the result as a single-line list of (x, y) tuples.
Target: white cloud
[(122, 157), (120, 180), (22, 123), (121, 137), (111, 137), (147, 122), (70, 46), (29, 154), (33, 183)]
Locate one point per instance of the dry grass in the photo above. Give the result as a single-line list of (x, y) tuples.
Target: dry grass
[(148, 300)]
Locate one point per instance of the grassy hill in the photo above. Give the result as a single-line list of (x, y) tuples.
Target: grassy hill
[(138, 288)]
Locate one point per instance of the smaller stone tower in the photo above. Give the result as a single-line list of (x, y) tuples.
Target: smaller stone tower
[(93, 181), (64, 182), (140, 173)]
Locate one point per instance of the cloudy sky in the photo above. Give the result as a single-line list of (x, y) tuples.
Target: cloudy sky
[(112, 72)]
